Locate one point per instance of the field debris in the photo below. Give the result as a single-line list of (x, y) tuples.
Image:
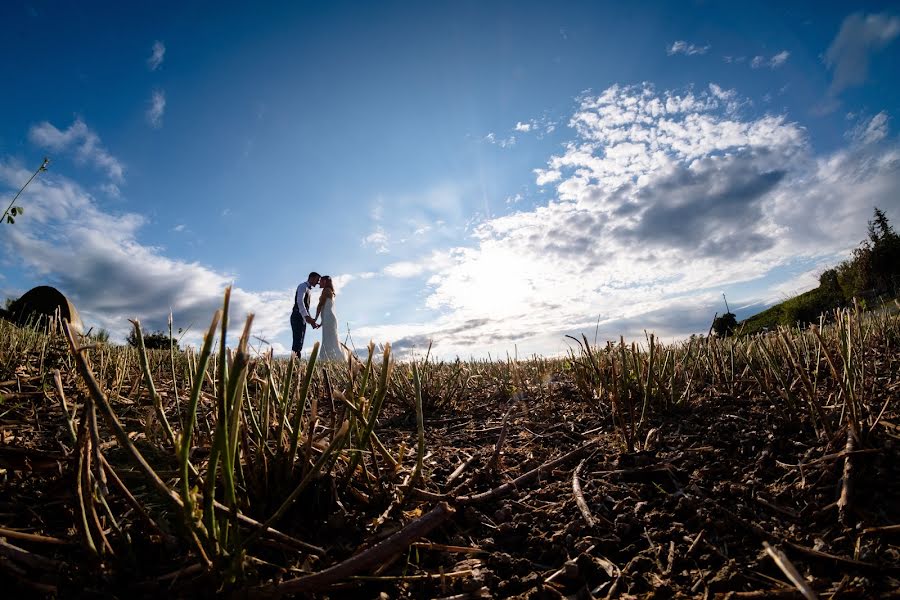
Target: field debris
[(718, 468)]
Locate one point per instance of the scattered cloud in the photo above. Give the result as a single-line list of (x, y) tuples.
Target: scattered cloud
[(860, 36), (503, 142), (869, 131), (111, 190), (662, 200), (156, 109), (779, 59), (377, 239), (95, 257), (82, 141), (540, 126), (157, 55), (682, 47), (773, 62)]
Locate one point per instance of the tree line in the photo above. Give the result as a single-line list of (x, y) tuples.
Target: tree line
[(871, 271)]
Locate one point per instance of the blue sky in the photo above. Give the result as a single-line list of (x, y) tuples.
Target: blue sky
[(489, 176)]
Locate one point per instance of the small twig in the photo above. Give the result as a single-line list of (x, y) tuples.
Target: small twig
[(671, 558), (579, 497), (128, 495), (57, 380), (788, 568), (696, 542), (418, 577), (272, 532), (364, 560), (31, 537), (81, 485), (532, 474), (446, 548), (188, 570), (841, 560), (844, 502), (504, 430), (461, 469), (883, 529), (29, 559)]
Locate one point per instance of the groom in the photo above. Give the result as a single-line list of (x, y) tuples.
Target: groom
[(300, 315)]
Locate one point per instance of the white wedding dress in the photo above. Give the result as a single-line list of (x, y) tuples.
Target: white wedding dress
[(331, 346)]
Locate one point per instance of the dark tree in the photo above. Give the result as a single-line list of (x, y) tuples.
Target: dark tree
[(885, 253), (725, 325), (158, 340)]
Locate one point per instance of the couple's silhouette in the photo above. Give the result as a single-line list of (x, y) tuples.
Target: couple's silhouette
[(300, 317)]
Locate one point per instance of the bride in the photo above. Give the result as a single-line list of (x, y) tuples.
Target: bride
[(331, 346)]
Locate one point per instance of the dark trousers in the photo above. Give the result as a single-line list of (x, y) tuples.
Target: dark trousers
[(298, 328)]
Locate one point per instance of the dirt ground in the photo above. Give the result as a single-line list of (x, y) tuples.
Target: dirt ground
[(689, 516)]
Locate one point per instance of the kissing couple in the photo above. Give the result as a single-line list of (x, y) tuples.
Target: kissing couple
[(300, 317)]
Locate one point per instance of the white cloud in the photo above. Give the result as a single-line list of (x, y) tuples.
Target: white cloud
[(860, 36), (111, 189), (82, 141), (157, 55), (545, 176), (682, 47), (779, 59), (96, 258), (156, 109), (431, 263), (773, 62), (663, 199), (404, 269), (377, 239), (870, 131), (539, 127), (503, 142)]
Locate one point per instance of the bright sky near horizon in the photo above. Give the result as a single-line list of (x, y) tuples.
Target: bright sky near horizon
[(491, 176)]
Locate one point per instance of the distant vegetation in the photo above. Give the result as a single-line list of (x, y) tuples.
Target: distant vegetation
[(158, 340), (872, 271)]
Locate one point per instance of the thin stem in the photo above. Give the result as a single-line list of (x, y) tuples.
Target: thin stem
[(43, 167)]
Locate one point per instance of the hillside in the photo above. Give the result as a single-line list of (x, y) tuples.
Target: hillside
[(803, 308), (870, 277)]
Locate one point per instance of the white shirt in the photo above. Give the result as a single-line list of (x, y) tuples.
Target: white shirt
[(301, 291)]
